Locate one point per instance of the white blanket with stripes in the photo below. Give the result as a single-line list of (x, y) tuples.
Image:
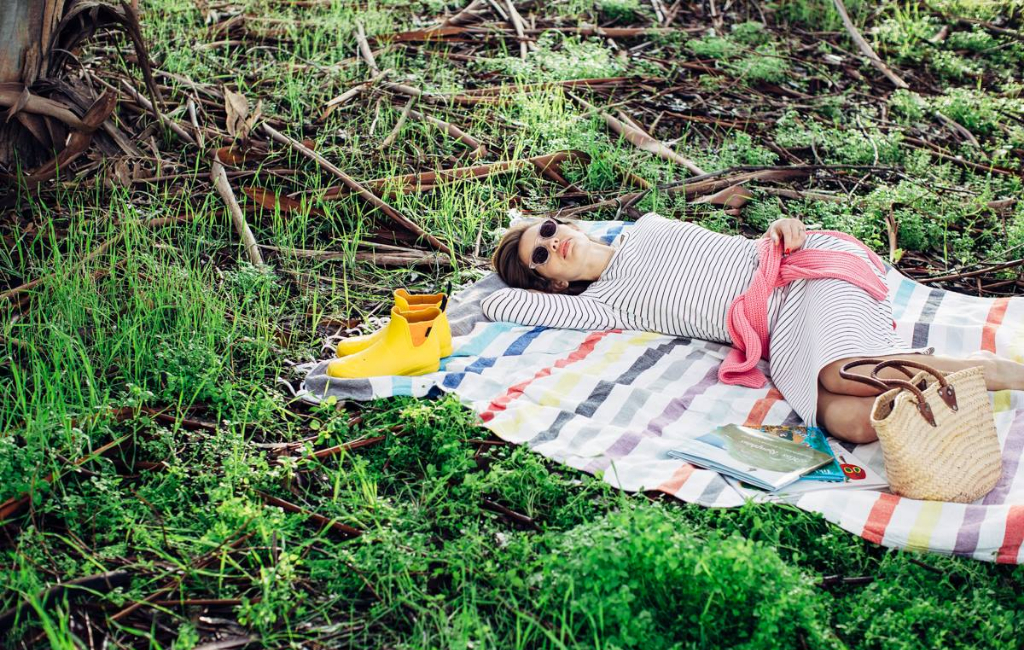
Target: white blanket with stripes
[(614, 402)]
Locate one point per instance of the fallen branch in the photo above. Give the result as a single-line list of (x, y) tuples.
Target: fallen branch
[(18, 97), (638, 138), (971, 274), (866, 48), (355, 187), (713, 182), (429, 180), (446, 32), (434, 98), (324, 522), (600, 82), (517, 24), (333, 104), (479, 150), (936, 151), (517, 517), (388, 141), (200, 562), (364, 49), (220, 181), (471, 13), (178, 129)]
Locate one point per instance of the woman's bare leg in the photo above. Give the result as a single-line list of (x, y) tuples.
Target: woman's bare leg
[(845, 416), (1000, 373)]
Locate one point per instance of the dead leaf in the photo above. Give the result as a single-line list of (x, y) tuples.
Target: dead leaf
[(270, 201), (235, 155), (237, 107)]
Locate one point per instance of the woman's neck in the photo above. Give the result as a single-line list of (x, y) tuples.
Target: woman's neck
[(600, 255)]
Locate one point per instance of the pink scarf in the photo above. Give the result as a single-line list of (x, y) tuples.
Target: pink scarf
[(748, 314)]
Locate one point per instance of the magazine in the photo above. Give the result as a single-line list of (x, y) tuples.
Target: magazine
[(814, 438), (858, 475), (751, 456)]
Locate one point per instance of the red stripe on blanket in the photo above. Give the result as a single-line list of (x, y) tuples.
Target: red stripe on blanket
[(761, 408), (512, 393), (992, 323), (879, 517), (1013, 537), (679, 478)]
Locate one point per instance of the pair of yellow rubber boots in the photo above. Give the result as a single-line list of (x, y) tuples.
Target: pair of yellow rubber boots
[(411, 344)]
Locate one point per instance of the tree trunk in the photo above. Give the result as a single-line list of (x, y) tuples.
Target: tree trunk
[(27, 29)]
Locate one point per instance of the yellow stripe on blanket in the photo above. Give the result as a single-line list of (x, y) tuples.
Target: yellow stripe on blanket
[(595, 365), (1002, 400), (508, 425), (921, 534)]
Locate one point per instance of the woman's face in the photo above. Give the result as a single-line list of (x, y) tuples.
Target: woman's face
[(566, 250)]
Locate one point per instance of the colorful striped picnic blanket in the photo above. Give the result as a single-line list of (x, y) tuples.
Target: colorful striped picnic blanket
[(614, 402)]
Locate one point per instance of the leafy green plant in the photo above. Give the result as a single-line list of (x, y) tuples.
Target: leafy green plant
[(559, 57), (640, 578)]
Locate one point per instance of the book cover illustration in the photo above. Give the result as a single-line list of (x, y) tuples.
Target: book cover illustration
[(814, 438)]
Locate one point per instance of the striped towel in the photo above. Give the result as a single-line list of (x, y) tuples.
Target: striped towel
[(615, 402)]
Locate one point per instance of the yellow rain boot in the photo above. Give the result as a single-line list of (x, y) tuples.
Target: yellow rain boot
[(405, 301), (408, 345)]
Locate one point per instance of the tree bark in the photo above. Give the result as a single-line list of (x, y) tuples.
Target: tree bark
[(26, 33), (27, 29)]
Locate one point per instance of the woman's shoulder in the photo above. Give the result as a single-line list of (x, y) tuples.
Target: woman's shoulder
[(652, 222)]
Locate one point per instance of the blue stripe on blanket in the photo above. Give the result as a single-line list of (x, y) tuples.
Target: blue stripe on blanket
[(902, 298), (480, 342), (401, 385), (453, 379)]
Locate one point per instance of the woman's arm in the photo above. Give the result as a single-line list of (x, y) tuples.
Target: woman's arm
[(548, 309)]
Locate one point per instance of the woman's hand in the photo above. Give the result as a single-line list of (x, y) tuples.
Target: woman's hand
[(790, 232)]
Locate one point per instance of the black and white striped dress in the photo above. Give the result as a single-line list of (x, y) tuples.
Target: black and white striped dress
[(677, 278)]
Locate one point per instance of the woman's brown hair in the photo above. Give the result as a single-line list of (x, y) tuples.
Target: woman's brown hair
[(511, 269)]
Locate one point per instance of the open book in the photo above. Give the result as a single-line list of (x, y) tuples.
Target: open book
[(751, 456), (858, 475)]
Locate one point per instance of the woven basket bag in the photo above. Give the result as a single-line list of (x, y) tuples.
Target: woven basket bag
[(937, 431)]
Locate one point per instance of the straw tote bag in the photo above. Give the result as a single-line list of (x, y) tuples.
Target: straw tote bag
[(938, 437)]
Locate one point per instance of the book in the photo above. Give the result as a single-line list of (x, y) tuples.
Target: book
[(858, 476), (751, 456), (814, 438)]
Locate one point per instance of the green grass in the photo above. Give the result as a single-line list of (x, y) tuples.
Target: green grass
[(171, 319)]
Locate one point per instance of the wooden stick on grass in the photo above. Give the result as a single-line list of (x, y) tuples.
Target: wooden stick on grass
[(517, 23), (866, 48), (390, 140), (364, 48), (220, 181), (479, 150), (353, 185), (638, 138)]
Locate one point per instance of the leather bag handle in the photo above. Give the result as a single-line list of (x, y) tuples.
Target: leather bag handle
[(946, 391), (876, 382)]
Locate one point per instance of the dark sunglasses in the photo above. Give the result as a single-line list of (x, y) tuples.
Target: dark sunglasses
[(540, 253)]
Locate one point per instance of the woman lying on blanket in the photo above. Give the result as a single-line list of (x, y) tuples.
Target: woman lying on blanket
[(808, 301)]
